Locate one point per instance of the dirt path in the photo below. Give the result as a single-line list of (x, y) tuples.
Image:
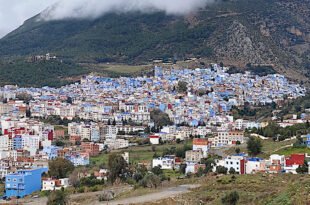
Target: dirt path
[(163, 194), (43, 200)]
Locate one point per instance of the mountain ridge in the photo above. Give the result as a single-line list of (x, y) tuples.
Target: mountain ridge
[(236, 32)]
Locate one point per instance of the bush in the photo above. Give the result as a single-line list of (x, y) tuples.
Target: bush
[(106, 196), (95, 188), (150, 181), (81, 189), (230, 198), (183, 168), (57, 198), (199, 173), (157, 170), (221, 170), (232, 171)]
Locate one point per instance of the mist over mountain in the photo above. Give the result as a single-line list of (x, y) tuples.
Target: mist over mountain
[(96, 8), (274, 33)]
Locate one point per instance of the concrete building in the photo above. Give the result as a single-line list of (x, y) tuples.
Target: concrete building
[(166, 162), (203, 145), (24, 182), (192, 167), (235, 162), (154, 140), (193, 155)]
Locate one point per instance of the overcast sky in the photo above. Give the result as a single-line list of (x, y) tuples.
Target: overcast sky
[(14, 12)]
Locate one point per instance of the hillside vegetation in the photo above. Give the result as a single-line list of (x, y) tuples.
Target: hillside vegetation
[(271, 34)]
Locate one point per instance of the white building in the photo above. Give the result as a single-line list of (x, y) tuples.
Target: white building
[(166, 162), (48, 185), (31, 141), (235, 162), (154, 140), (203, 145), (4, 142)]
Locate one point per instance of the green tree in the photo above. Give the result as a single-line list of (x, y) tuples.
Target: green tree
[(59, 143), (232, 171), (57, 197), (254, 146), (182, 87), (60, 168), (28, 113), (160, 118), (182, 168), (221, 170), (199, 173), (230, 198), (210, 163), (155, 155), (157, 170), (150, 180), (303, 169), (140, 173), (237, 150), (69, 100), (118, 167)]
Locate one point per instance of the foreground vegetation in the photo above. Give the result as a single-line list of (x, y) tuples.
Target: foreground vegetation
[(276, 189)]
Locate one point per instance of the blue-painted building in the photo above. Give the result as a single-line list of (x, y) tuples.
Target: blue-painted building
[(95, 134), (17, 143), (24, 182), (77, 159), (51, 151), (308, 140)]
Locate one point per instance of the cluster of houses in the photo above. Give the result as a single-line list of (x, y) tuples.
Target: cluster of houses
[(210, 95), (111, 112), (240, 164), (37, 58)]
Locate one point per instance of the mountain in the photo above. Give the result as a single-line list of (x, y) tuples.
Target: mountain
[(273, 33)]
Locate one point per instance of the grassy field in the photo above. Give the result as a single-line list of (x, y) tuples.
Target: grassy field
[(260, 189), (290, 150), (269, 147), (138, 153), (109, 68), (124, 68)]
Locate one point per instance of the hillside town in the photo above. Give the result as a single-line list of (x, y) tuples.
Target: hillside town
[(97, 115)]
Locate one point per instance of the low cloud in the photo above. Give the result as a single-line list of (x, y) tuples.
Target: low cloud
[(95, 8)]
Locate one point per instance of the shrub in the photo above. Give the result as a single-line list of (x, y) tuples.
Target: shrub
[(232, 171), (81, 189), (221, 170), (57, 198), (230, 198), (106, 196)]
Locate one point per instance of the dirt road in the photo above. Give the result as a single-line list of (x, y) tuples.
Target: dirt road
[(163, 194)]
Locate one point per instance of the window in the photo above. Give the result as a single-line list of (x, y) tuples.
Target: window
[(14, 180), (20, 180), (8, 179)]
